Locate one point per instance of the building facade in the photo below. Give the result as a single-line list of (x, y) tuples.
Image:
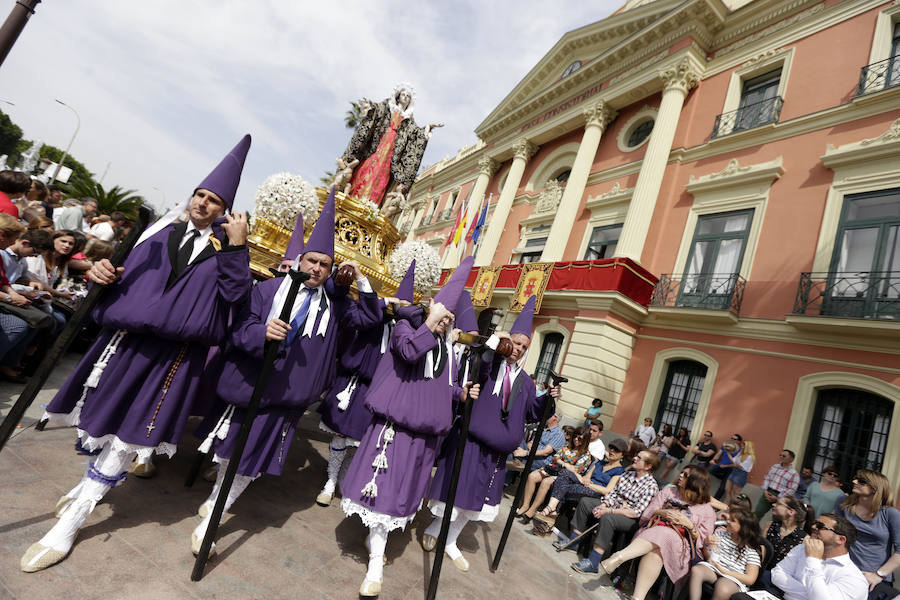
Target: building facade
[(712, 189)]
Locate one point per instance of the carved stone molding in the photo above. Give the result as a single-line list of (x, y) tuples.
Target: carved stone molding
[(734, 174), (884, 146), (599, 114), (683, 76), (524, 149), (549, 198), (892, 134), (487, 166)]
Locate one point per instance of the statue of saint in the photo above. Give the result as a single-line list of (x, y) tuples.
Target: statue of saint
[(386, 149)]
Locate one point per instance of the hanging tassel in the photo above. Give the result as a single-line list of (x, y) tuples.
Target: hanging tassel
[(380, 461), (370, 490), (219, 431), (346, 393), (389, 435)]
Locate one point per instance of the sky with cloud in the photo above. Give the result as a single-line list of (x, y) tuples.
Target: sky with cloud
[(165, 88)]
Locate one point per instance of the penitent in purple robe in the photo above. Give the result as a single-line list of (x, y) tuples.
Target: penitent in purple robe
[(491, 438), (412, 414), (149, 385), (303, 370), (355, 370)]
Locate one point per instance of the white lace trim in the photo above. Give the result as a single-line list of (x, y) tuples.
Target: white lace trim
[(488, 512), (371, 517), (92, 443), (329, 430)]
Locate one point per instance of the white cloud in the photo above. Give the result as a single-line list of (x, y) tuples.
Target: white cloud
[(165, 88)]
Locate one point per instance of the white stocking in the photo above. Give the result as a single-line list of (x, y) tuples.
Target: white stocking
[(435, 528), (110, 465), (238, 486), (348, 458), (376, 542), (456, 528), (337, 450)]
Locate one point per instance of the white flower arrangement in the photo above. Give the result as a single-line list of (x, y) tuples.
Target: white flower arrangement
[(371, 209), (281, 196), (428, 264)]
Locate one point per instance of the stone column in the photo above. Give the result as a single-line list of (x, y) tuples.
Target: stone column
[(522, 151), (598, 117), (417, 220), (678, 81), (487, 166)]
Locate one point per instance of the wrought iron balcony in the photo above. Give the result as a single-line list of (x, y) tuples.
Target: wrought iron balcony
[(879, 76), (861, 295), (715, 291), (748, 117)]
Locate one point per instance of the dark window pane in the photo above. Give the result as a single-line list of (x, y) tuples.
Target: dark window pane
[(681, 394), (550, 350), (603, 242), (640, 133)]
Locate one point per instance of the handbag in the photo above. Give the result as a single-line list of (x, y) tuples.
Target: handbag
[(35, 317)]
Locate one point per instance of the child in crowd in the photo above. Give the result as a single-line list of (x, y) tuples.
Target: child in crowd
[(732, 558)]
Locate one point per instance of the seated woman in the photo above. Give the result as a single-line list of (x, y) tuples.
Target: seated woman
[(792, 520), (680, 445), (619, 510), (575, 457), (600, 480), (674, 527), (732, 558)]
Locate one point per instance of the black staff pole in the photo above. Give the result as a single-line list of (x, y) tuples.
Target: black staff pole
[(262, 382), (73, 326), (474, 374), (549, 407)]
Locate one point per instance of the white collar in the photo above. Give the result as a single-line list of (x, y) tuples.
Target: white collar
[(514, 370), (205, 232)]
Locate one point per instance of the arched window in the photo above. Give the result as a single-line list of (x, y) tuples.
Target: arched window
[(850, 430), (564, 176), (681, 394), (550, 350)]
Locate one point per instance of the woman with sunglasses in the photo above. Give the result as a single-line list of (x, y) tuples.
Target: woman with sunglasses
[(823, 495), (674, 526), (870, 508), (575, 457)]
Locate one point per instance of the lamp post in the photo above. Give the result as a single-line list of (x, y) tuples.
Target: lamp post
[(69, 147), (14, 24)]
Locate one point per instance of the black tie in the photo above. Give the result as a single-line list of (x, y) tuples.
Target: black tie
[(184, 253)]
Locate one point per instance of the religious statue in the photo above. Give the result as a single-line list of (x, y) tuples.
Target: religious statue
[(31, 157), (384, 154)]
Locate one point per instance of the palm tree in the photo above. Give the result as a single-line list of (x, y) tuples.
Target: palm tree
[(328, 178), (353, 116), (108, 201)]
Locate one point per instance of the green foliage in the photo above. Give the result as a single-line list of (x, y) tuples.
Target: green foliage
[(79, 171), (328, 178), (115, 198), (10, 134), (353, 116)]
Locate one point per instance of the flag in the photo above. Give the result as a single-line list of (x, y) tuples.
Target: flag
[(474, 221), (455, 228), (481, 219), (461, 227)]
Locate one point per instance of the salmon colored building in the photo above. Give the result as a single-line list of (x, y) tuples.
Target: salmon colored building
[(706, 195)]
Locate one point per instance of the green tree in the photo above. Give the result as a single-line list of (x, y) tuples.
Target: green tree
[(79, 171), (328, 178), (353, 116), (113, 199), (10, 134)]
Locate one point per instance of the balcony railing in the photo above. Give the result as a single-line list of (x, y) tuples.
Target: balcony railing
[(716, 291), (860, 295), (879, 76), (748, 117)]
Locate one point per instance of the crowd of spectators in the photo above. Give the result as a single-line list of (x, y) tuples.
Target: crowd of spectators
[(48, 243), (803, 539)]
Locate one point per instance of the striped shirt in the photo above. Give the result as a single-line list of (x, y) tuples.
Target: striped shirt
[(726, 553), (632, 492)]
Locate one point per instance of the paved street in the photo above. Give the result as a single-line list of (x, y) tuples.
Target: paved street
[(277, 543)]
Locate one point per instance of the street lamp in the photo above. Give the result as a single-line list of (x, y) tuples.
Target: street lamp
[(6, 102), (69, 147)]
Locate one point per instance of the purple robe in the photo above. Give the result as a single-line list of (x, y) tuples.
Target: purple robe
[(302, 371), (170, 328), (359, 359), (491, 439), (419, 411)]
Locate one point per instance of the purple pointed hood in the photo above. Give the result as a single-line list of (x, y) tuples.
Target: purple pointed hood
[(525, 319), (465, 313), (295, 246), (449, 294), (405, 291), (322, 237), (224, 179)]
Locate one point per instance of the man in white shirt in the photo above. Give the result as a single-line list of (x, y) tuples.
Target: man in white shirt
[(106, 230), (820, 568), (596, 447)]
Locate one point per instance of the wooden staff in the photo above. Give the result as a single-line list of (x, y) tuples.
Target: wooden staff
[(262, 382), (549, 407), (67, 335)]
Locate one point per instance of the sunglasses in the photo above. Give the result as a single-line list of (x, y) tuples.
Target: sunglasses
[(821, 525), (862, 481)]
